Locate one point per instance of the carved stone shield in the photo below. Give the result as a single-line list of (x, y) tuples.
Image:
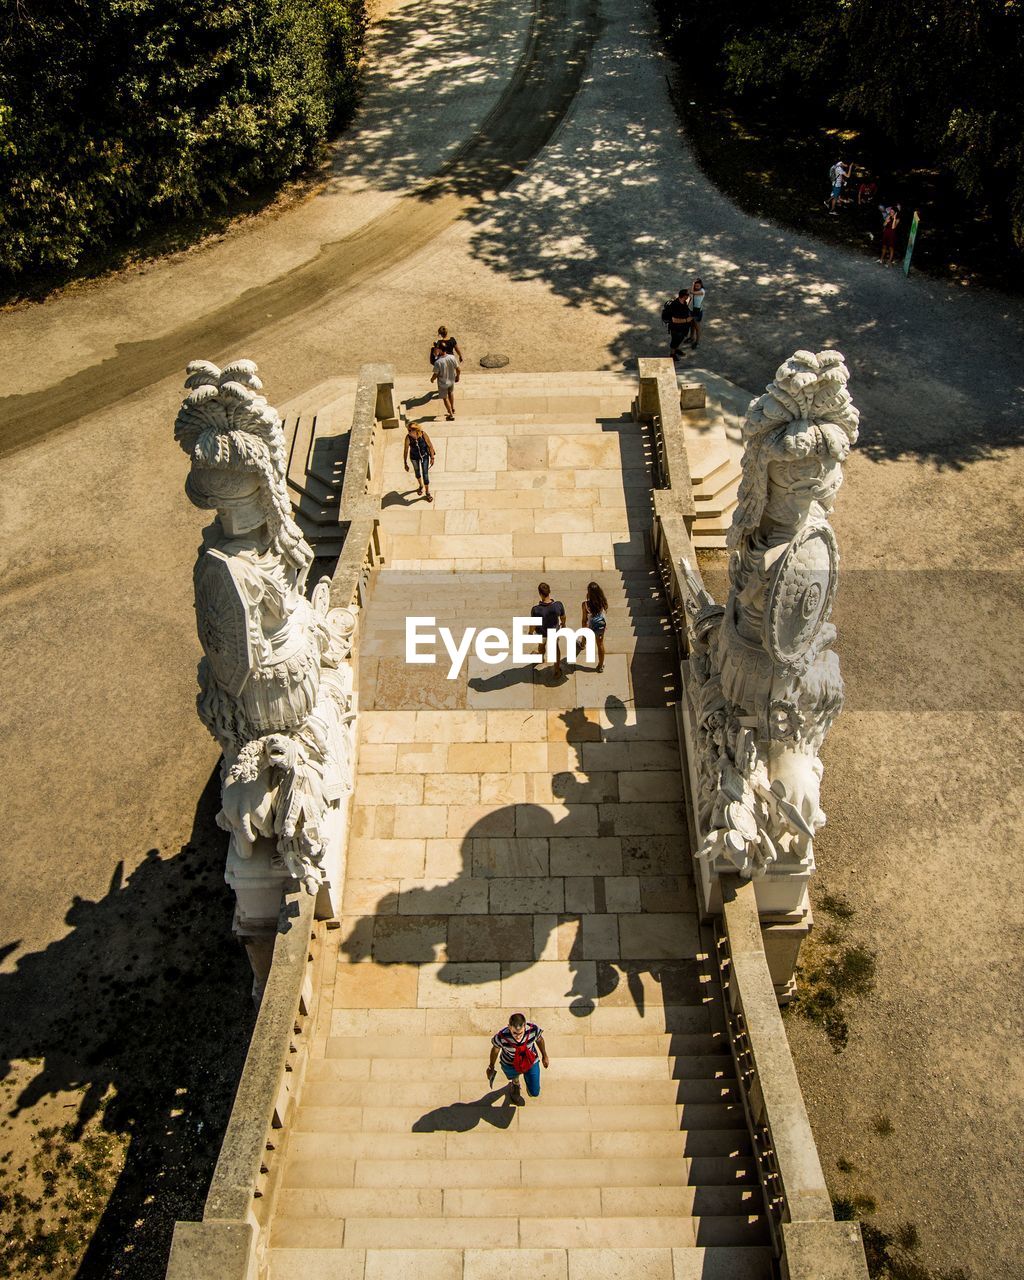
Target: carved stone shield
[(801, 592), (222, 620)]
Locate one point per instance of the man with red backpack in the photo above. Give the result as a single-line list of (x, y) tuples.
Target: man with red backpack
[(520, 1047)]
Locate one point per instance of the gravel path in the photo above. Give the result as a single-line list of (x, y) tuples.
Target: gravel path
[(566, 269)]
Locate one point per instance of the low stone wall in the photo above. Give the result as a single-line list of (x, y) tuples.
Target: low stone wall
[(806, 1237), (808, 1242), (227, 1243), (224, 1245)]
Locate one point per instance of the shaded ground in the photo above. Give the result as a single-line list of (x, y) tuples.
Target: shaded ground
[(128, 1044), (567, 269), (776, 166)]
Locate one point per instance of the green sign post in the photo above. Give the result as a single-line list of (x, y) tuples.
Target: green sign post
[(915, 223)]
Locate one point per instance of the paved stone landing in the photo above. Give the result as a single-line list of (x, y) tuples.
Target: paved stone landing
[(518, 843)]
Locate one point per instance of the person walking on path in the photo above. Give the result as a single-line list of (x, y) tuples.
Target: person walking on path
[(420, 450), (838, 175), (595, 617), (521, 1050), (446, 374), (552, 616), (450, 344), (697, 295), (678, 312), (890, 223)]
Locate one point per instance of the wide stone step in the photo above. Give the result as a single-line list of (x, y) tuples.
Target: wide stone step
[(638, 1044), (451, 1232), (523, 1202), (718, 1263), (461, 1117), (440, 1097), (366, 1123), (489, 1143), (603, 1020), (332, 1168), (710, 1066)]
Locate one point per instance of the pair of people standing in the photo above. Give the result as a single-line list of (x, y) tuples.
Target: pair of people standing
[(445, 358), (551, 614), (684, 316)]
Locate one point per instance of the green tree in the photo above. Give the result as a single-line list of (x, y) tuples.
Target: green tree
[(119, 115)]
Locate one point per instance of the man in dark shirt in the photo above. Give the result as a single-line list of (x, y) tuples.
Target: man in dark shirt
[(552, 616), (679, 321)]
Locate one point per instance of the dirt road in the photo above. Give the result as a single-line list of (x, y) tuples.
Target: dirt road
[(554, 239)]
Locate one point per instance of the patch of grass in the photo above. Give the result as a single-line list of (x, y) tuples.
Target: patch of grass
[(883, 1125), (894, 1255), (837, 905), (834, 970), (845, 1166)]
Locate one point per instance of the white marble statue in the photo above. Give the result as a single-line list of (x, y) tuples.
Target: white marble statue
[(273, 687), (764, 683)]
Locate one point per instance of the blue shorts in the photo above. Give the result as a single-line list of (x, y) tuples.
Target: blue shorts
[(836, 192), (421, 469), (532, 1077)]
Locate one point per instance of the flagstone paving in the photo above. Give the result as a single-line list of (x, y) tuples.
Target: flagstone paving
[(518, 842)]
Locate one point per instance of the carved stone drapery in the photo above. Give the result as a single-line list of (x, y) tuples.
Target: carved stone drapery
[(763, 682), (274, 687)]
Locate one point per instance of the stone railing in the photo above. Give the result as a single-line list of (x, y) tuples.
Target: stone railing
[(225, 1244), (359, 508), (810, 1244)]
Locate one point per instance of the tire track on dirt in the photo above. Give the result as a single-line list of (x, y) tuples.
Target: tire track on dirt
[(530, 109)]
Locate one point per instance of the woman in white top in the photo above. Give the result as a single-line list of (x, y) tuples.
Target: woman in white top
[(697, 310)]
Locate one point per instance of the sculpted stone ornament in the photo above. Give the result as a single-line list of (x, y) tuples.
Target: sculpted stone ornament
[(274, 687), (763, 682)]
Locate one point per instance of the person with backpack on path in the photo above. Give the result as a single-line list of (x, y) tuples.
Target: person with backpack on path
[(838, 176), (521, 1050), (676, 316)]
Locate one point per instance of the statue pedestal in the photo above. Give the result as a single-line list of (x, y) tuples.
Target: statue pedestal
[(258, 885)]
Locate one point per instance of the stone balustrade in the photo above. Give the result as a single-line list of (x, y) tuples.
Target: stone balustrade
[(223, 1246), (808, 1242)]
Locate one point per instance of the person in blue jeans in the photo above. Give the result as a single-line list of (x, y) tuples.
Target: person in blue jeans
[(521, 1051)]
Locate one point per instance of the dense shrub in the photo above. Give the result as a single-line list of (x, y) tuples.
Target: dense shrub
[(941, 81), (117, 116)]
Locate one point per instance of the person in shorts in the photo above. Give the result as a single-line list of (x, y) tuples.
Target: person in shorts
[(420, 451), (446, 374), (595, 618), (520, 1049), (552, 616), (838, 175)]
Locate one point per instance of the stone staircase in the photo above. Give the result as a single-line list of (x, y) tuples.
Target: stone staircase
[(518, 843), (316, 429), (714, 450)]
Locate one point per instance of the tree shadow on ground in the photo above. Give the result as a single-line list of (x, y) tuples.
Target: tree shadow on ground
[(769, 293), (144, 1008)]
